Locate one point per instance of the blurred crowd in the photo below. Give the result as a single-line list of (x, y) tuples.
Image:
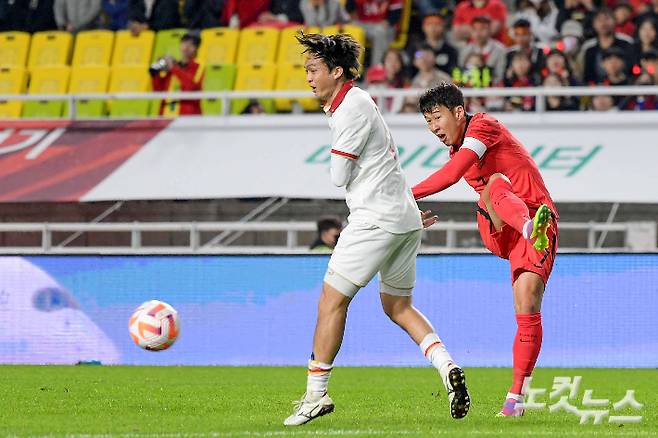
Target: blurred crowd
[(473, 43)]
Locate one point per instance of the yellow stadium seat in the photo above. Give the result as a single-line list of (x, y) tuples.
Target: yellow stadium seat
[(12, 81), (14, 47), (258, 46), (400, 41), (129, 80), (356, 32), (293, 78), (50, 49), (290, 51), (89, 80), (219, 46), (47, 80), (131, 51), (93, 48), (250, 78)]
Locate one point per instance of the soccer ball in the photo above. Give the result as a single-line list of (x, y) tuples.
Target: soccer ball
[(154, 326)]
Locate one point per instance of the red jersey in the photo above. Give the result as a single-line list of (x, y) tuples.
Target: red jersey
[(375, 11), (188, 77), (496, 10), (496, 150)]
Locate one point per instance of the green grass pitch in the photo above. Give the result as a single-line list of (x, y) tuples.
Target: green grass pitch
[(253, 401)]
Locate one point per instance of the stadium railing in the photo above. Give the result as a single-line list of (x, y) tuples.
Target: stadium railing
[(227, 96), (638, 237)]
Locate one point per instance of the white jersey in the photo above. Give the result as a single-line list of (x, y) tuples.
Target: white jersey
[(377, 192)]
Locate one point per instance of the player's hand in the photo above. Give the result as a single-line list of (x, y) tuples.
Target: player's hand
[(428, 218)]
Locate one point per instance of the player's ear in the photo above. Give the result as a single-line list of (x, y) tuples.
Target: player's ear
[(459, 112), (338, 72)]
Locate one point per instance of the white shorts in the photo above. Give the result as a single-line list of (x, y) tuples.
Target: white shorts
[(363, 250)]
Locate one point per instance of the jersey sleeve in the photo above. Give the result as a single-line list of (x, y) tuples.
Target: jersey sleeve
[(350, 134), (480, 136), (446, 176)]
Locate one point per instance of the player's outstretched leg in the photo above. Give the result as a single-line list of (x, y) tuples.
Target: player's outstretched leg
[(397, 306), (452, 376), (528, 292), (312, 405), (540, 224), (332, 313)]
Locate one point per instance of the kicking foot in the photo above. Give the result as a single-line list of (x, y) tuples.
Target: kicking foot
[(306, 410), (458, 397), (540, 224), (510, 409)]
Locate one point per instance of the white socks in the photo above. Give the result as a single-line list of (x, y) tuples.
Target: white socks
[(517, 397), (527, 229), (317, 380), (435, 351)]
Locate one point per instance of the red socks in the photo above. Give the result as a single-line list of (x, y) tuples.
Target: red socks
[(527, 344), (509, 207)]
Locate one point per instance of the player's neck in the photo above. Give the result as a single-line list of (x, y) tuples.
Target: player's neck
[(339, 87)]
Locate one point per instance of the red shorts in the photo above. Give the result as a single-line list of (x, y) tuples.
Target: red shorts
[(509, 244)]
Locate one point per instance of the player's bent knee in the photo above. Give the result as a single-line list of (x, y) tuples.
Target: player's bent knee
[(340, 283), (496, 176)]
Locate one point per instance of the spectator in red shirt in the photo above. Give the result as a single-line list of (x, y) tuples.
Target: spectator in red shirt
[(380, 19), (167, 74), (242, 13), (623, 13), (281, 13), (520, 74), (467, 10)]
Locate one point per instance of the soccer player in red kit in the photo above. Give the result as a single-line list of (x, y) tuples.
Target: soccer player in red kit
[(516, 215)]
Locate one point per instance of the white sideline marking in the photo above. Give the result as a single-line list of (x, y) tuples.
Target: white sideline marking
[(593, 431)]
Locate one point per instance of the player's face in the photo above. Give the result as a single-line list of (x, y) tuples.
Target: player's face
[(322, 81), (447, 125)]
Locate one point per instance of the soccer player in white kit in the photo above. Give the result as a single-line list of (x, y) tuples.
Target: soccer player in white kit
[(384, 230)]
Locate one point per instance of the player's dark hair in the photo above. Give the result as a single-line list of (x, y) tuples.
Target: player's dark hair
[(445, 94), (329, 222), (335, 50)]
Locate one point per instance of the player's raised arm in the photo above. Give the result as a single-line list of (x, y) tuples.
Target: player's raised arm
[(447, 175)]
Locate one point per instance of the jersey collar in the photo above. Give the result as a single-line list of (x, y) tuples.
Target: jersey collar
[(454, 149), (340, 96)]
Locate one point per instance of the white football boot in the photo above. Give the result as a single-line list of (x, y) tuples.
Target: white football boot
[(458, 397), (306, 410)]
